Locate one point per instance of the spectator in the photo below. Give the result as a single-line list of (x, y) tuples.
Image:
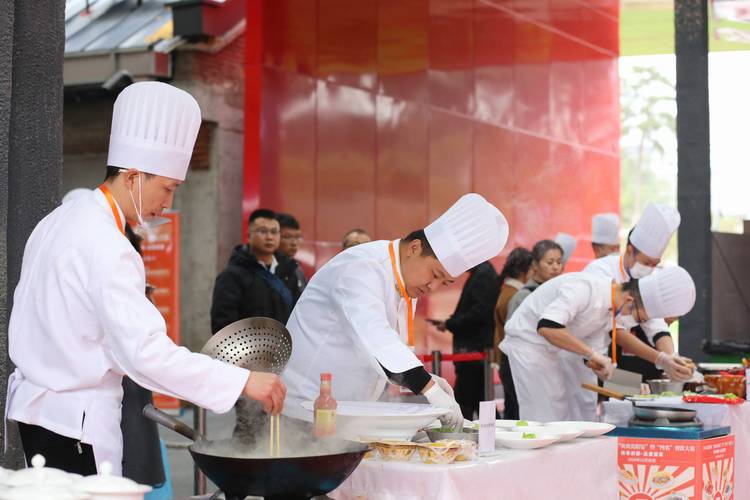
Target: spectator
[(355, 237), (258, 281), (546, 263), (473, 327), (515, 272), (291, 236)]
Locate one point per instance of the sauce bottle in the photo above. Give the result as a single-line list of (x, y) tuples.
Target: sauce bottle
[(325, 408)]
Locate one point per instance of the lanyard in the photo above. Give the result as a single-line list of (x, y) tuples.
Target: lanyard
[(112, 205), (625, 276), (614, 326), (404, 295)]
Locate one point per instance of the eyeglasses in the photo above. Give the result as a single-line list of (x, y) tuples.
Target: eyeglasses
[(265, 232)]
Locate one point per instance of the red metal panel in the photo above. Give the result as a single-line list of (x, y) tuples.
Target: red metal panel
[(494, 56), (289, 35), (401, 188), (345, 173), (347, 42)]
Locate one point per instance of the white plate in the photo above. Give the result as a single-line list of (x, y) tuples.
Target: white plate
[(565, 433), (590, 429), (373, 419), (717, 367), (516, 441), (509, 424)]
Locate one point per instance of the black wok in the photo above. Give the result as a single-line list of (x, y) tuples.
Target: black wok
[(293, 477)]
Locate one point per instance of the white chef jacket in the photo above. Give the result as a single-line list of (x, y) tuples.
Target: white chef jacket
[(81, 320), (609, 266), (349, 320), (581, 302)]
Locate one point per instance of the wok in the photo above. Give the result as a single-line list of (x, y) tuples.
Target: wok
[(327, 464)]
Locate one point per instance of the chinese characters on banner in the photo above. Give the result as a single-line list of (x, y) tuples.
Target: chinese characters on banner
[(161, 258)]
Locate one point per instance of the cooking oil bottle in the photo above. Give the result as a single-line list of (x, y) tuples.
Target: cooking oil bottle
[(325, 408)]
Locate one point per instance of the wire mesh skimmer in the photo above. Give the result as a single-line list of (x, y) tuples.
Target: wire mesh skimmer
[(257, 344)]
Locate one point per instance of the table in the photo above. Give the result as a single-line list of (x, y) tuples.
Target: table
[(735, 416), (584, 469)]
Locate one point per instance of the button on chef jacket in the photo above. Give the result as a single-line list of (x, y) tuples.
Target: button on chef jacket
[(581, 302), (81, 320), (349, 320)]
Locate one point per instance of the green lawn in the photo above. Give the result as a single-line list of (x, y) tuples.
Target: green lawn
[(651, 31)]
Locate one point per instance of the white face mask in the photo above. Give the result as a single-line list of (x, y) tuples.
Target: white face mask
[(639, 271), (146, 225), (626, 321)]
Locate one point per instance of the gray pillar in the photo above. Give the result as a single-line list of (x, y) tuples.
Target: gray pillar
[(694, 167), (32, 41)]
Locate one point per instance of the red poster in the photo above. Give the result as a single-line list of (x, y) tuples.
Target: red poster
[(161, 257), (671, 469)]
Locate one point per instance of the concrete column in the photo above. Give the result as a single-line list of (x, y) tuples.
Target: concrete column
[(32, 41), (694, 167)]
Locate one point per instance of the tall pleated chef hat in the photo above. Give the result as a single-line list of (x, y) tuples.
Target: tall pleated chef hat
[(568, 244), (667, 293), (154, 126), (605, 229), (654, 230), (470, 232)]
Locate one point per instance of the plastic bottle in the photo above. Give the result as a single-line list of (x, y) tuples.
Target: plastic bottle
[(325, 408)]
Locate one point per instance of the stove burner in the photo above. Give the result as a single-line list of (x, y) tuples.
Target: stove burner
[(664, 422)]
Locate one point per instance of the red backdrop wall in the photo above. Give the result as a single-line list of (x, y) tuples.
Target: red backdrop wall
[(380, 113)]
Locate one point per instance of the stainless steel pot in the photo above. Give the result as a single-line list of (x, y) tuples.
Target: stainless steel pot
[(671, 414), (665, 385)]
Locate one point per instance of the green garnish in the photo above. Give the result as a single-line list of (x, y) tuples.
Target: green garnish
[(522, 423), (730, 396), (529, 435)]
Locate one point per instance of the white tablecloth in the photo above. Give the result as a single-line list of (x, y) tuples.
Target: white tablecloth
[(584, 469), (735, 416)]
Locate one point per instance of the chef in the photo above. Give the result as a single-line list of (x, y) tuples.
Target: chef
[(572, 313), (646, 244), (605, 234), (81, 319), (355, 318)]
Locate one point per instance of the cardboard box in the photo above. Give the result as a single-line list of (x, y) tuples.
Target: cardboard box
[(672, 469)]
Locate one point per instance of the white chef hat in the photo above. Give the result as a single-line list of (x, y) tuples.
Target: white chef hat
[(605, 229), (154, 126), (467, 234), (568, 244), (74, 194), (667, 293), (655, 228)]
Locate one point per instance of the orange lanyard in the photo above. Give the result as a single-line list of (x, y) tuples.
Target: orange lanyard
[(625, 276), (402, 292), (112, 205), (614, 327)]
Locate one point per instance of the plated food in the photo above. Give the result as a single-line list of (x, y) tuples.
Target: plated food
[(441, 452), (628, 476), (392, 450), (509, 424), (525, 440), (662, 479)]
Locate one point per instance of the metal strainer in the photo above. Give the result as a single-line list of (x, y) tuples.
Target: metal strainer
[(257, 344)]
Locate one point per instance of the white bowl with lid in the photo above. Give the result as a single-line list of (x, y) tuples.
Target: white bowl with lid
[(42, 492), (105, 486), (39, 475)]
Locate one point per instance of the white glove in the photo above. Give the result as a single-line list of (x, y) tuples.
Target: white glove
[(438, 397), (604, 366), (674, 366), (444, 385)]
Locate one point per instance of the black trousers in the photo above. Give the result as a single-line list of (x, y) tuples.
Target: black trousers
[(469, 389), (511, 401), (58, 451)]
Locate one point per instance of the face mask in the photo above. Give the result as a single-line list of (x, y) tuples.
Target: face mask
[(639, 271), (626, 322), (147, 224)]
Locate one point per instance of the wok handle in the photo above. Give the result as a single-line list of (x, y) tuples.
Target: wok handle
[(162, 418), (603, 391)]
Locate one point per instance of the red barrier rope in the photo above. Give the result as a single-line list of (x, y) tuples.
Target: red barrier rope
[(460, 357)]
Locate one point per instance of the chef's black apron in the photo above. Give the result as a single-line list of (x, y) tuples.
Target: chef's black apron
[(648, 371), (141, 452)]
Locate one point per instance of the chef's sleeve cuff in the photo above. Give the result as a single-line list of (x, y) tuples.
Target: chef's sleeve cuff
[(661, 335), (548, 323), (415, 379)]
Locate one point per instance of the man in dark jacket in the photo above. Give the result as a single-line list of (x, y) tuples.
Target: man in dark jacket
[(291, 236), (257, 281), (473, 328)]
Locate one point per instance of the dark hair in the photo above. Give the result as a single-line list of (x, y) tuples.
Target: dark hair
[(287, 221), (517, 263), (135, 239), (634, 288), (419, 235), (629, 242), (113, 172), (542, 247), (264, 213)]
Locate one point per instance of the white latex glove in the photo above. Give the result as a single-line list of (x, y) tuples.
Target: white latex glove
[(444, 385), (438, 397), (605, 366), (675, 367)]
